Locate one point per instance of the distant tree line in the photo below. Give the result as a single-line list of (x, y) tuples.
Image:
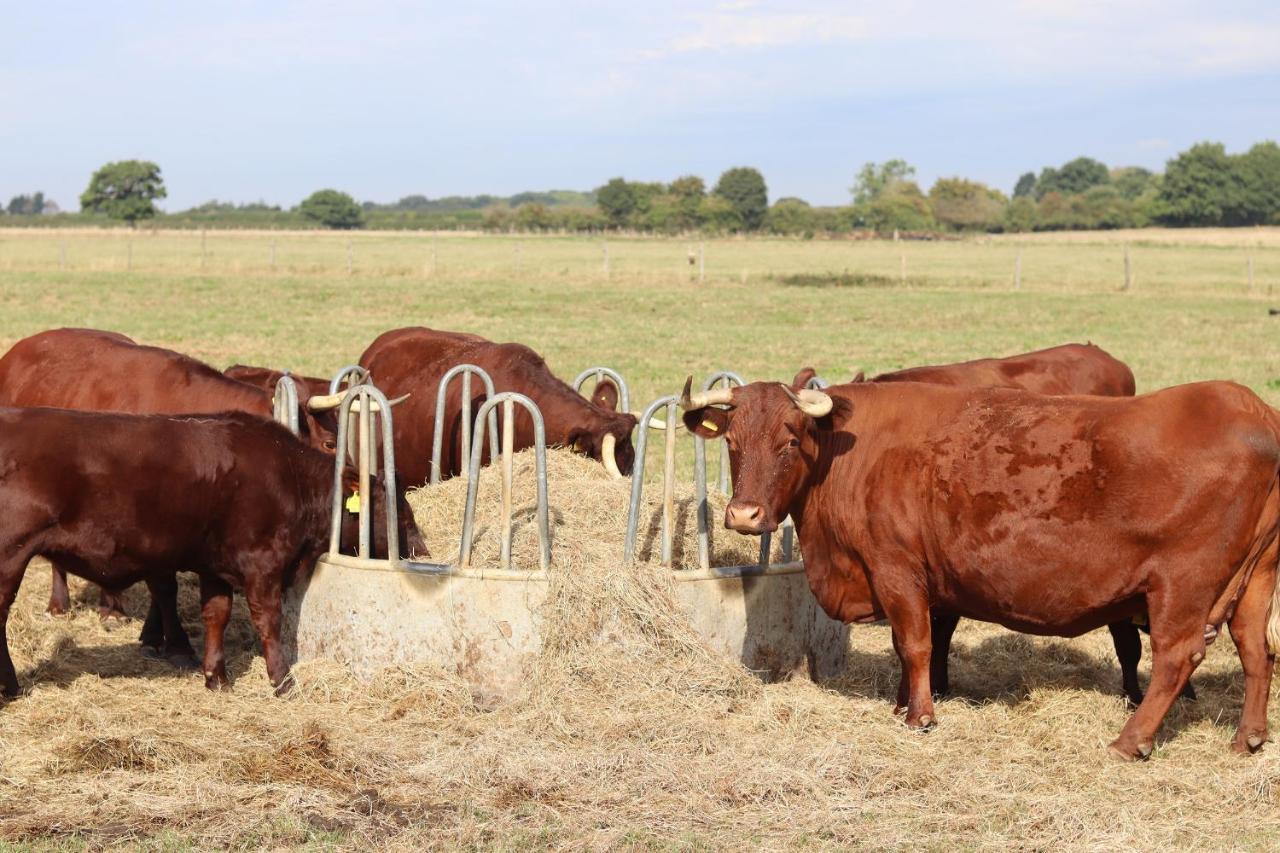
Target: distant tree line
[(1202, 186)]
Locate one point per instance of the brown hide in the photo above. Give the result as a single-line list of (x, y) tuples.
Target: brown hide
[(413, 360), (1066, 369), (100, 371), (118, 499), (1049, 515)]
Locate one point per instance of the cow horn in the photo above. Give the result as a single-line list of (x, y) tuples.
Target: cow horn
[(654, 422), (328, 402), (608, 456), (813, 403), (703, 398)]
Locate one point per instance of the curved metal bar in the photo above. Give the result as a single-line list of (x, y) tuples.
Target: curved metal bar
[(728, 379), (284, 404), (352, 374), (624, 395), (368, 397), (508, 399), (637, 478), (817, 383), (437, 437)]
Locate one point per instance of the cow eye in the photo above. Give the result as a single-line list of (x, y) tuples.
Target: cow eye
[(793, 443)]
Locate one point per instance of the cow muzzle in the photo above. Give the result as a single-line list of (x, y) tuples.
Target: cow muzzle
[(746, 517)]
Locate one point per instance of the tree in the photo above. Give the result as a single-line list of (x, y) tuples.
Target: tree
[(332, 209), (1259, 176), (718, 214), (688, 192), (900, 207), (126, 190), (1025, 186), (966, 205), (1020, 215), (617, 200), (874, 179), (1200, 187), (791, 216), (1073, 178), (744, 188), (1131, 181)]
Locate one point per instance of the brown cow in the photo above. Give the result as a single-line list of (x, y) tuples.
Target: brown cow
[(1066, 369), (266, 378), (413, 360), (1049, 515), (119, 499), (94, 370), (1060, 370)]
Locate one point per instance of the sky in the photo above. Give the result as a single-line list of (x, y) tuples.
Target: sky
[(248, 101)]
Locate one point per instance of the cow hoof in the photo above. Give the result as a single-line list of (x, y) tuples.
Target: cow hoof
[(56, 610), (1188, 693), (899, 710), (107, 614), (216, 681), (151, 652), (1210, 634), (923, 723), (1141, 752), (1250, 744)]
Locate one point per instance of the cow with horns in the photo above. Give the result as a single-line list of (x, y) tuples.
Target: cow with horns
[(93, 370), (1060, 370), (118, 499), (414, 360), (1048, 515)]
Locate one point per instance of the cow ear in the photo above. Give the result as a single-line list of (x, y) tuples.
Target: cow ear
[(708, 422), (841, 411), (350, 481), (859, 377), (803, 377), (606, 395)]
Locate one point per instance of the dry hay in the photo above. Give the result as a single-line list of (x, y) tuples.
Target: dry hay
[(645, 742)]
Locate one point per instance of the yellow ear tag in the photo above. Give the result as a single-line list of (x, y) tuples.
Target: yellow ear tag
[(353, 502), (711, 425)]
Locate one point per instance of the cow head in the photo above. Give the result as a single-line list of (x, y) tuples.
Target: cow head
[(321, 422), (608, 441), (773, 432), (411, 543)]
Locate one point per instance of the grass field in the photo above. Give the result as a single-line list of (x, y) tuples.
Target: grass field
[(98, 751)]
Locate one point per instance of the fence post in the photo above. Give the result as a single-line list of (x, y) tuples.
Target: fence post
[(1128, 270), (519, 261), (903, 267)]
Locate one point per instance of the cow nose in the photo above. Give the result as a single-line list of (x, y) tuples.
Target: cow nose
[(744, 517)]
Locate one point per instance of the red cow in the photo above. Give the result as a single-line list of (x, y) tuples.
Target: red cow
[(119, 499), (1049, 515), (413, 360), (101, 371), (1060, 370)]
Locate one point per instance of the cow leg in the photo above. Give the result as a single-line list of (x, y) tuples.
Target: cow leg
[(162, 634), (11, 573), (59, 595), (909, 616), (111, 604), (265, 603), (215, 607), (1188, 691), (1177, 648), (941, 626), (1129, 651), (1249, 631)]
